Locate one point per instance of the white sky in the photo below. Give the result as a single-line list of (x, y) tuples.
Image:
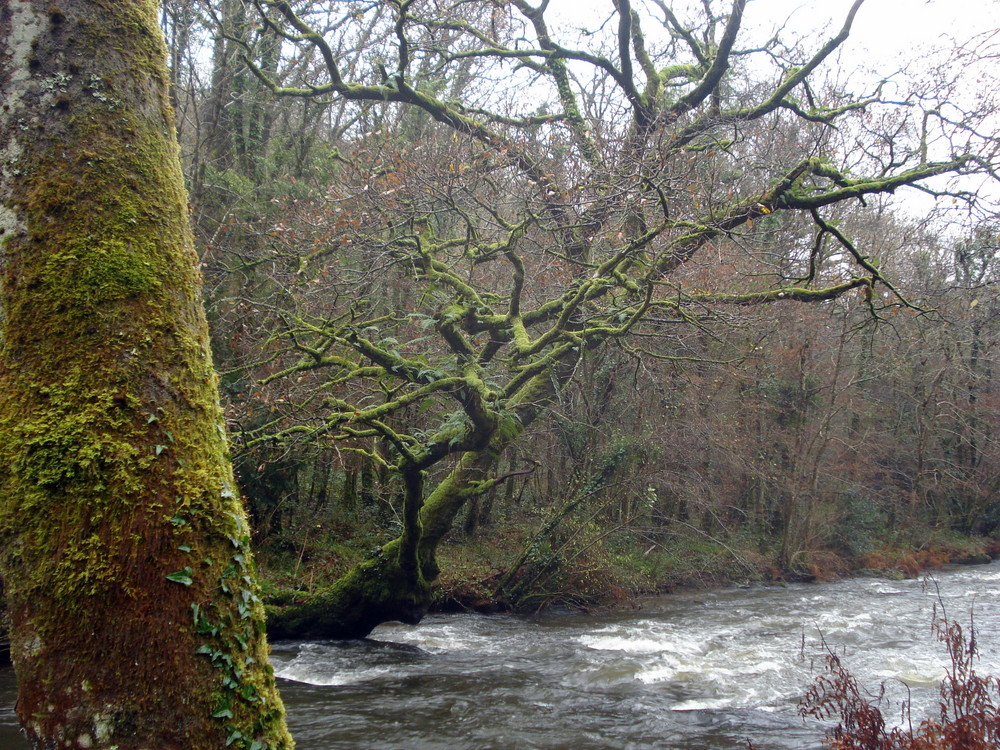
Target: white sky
[(893, 26), (886, 37), (889, 28), (888, 34)]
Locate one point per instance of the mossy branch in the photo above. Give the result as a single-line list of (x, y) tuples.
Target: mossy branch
[(719, 65), (797, 294)]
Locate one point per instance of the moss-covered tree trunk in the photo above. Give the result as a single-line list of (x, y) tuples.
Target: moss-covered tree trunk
[(395, 583), (136, 622)]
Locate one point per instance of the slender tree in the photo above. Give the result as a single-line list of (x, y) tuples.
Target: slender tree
[(134, 609)]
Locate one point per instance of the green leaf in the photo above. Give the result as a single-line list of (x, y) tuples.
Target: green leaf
[(225, 713), (159, 449), (184, 548), (181, 576), (236, 735)]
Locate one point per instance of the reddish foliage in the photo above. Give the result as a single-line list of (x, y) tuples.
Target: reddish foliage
[(968, 717), (826, 565)]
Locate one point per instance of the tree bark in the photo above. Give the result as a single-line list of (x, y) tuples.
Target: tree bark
[(133, 602)]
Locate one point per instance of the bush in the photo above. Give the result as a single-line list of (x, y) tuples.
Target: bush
[(967, 719)]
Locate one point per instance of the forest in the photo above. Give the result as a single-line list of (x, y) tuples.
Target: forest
[(511, 307), (587, 313)]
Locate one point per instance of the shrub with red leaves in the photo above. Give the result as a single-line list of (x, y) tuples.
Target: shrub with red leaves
[(968, 717)]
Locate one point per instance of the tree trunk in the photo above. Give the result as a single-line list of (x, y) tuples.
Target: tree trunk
[(134, 609), (386, 587), (380, 589)]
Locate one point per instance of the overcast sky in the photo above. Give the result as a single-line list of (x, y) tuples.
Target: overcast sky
[(887, 36), (889, 31)]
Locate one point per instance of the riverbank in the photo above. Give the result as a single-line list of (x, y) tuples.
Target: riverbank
[(470, 578), (707, 670), (478, 575)]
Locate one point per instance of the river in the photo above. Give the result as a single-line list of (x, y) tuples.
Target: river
[(699, 671)]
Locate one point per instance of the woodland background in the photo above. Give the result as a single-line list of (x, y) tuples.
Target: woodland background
[(731, 443)]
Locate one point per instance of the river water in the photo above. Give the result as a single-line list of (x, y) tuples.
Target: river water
[(701, 671)]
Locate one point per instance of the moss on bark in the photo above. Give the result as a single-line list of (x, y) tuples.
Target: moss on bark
[(377, 590), (390, 585), (134, 608)]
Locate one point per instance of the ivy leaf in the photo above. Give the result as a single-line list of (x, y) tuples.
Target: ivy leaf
[(181, 576)]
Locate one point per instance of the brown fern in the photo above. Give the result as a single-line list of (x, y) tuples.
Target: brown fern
[(968, 717)]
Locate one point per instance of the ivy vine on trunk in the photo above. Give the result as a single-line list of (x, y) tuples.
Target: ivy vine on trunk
[(135, 616)]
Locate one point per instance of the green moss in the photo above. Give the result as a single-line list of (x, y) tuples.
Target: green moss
[(113, 464), (246, 703), (371, 593), (60, 444), (102, 269)]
